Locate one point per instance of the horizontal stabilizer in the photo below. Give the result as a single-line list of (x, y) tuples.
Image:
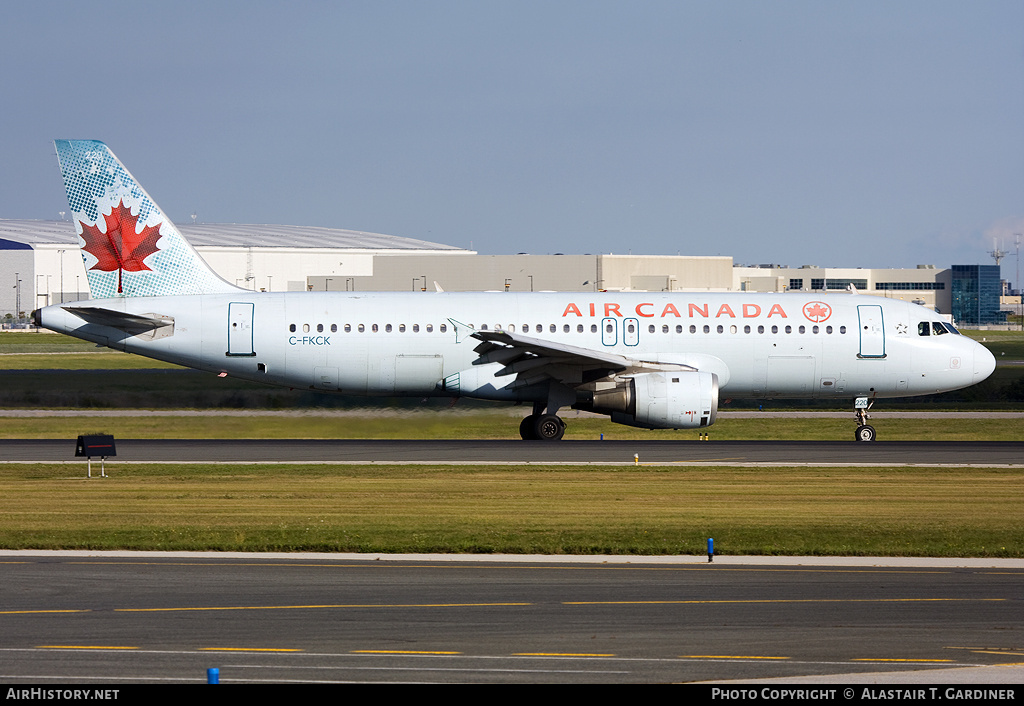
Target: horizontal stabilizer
[(129, 323)]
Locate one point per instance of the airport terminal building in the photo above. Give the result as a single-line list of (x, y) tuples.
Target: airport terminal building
[(40, 264)]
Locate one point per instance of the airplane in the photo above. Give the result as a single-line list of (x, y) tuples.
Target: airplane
[(651, 360)]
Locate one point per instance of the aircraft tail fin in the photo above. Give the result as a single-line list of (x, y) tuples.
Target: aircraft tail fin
[(130, 248)]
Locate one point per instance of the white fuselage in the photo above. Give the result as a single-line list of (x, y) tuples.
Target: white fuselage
[(759, 345)]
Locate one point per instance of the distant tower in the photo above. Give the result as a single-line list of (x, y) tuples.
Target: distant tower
[(996, 253)]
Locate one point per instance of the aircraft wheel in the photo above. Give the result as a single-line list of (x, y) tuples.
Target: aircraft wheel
[(865, 432), (548, 427), (526, 428)]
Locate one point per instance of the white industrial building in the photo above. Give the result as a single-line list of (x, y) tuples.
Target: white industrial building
[(925, 285), (40, 262)]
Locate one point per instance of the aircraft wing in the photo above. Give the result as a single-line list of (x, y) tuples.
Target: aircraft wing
[(534, 360)]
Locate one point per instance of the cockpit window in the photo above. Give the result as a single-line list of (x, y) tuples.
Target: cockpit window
[(924, 329), (951, 328), (938, 329)]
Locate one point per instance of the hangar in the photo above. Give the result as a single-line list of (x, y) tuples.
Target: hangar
[(41, 262)]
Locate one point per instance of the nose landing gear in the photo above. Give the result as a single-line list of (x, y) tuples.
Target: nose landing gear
[(865, 432)]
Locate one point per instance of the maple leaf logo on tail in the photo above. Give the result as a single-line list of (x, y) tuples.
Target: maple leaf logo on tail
[(120, 247)]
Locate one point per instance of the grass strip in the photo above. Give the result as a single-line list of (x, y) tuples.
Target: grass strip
[(552, 510), (489, 425)]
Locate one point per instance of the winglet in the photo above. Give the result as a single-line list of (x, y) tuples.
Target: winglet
[(130, 248)]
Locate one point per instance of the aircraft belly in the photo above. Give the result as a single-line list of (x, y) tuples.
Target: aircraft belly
[(791, 376), (411, 374)]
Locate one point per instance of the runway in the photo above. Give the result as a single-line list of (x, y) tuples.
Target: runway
[(68, 618), (819, 453), (107, 618)]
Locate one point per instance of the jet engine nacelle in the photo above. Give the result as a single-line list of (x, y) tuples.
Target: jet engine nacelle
[(683, 400)]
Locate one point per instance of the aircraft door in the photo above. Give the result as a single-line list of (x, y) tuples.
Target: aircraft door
[(609, 331), (872, 332), (630, 332), (240, 315)]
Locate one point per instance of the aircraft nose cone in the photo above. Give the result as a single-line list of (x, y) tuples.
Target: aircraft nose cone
[(984, 363)]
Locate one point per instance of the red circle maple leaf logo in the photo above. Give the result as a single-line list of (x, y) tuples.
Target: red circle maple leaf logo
[(120, 248), (817, 311)]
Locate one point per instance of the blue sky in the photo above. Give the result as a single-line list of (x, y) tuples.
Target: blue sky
[(874, 134)]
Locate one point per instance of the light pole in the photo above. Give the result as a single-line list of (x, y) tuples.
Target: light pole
[(61, 275), (17, 297), (1020, 292)]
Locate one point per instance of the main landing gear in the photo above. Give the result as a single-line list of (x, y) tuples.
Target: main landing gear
[(542, 427), (545, 424), (865, 432)]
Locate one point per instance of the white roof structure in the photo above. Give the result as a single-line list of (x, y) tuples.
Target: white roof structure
[(237, 235)]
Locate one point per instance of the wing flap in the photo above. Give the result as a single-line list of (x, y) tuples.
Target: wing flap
[(534, 360)]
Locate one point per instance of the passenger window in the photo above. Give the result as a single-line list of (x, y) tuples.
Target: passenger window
[(430, 328), (775, 329), (443, 328), (348, 328), (707, 329), (579, 328), (375, 328), (693, 329), (814, 329), (319, 328), (828, 329), (651, 329), (291, 328), (760, 329), (334, 328), (593, 328), (362, 328), (664, 328), (565, 329), (721, 328), (842, 329), (789, 329), (553, 328), (746, 329), (305, 328), (540, 328), (679, 328)]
